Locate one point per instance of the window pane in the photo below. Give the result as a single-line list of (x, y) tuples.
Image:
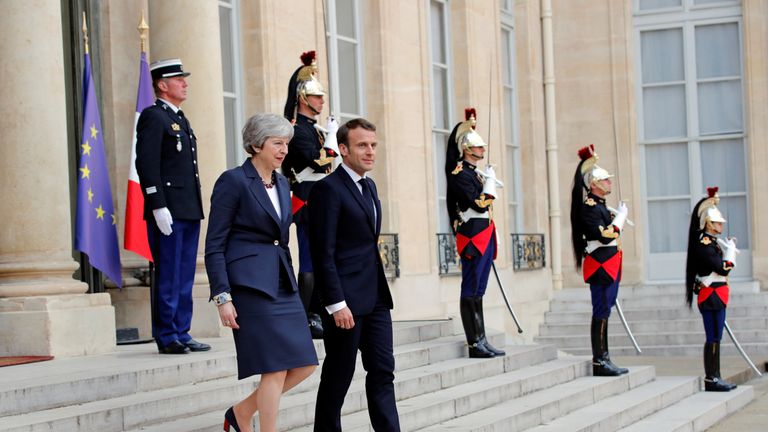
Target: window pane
[(662, 56), (348, 77), (703, 2), (437, 32), (439, 142), (722, 164), (735, 211), (720, 107), (506, 53), (440, 118), (231, 132), (509, 107), (225, 30), (717, 51), (666, 169), (510, 186), (669, 220), (664, 112), (345, 18), (658, 4)]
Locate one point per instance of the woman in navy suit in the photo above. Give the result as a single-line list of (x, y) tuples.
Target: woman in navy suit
[(251, 274)]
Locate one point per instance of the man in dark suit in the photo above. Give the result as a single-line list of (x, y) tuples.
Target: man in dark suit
[(345, 221), (166, 161)]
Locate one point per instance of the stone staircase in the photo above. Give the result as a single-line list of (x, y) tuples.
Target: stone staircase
[(534, 387), (659, 319)]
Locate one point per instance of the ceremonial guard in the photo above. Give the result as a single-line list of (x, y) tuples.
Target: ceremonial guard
[(710, 259), (595, 233), (166, 162), (469, 197), (310, 159)]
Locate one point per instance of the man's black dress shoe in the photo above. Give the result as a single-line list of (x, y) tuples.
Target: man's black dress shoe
[(194, 345), (174, 347)]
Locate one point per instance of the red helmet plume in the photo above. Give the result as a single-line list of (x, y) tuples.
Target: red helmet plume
[(586, 152), (712, 191), (308, 57)]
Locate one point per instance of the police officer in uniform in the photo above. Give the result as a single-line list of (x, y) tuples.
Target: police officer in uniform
[(310, 159), (166, 162), (469, 197), (595, 232), (709, 261)]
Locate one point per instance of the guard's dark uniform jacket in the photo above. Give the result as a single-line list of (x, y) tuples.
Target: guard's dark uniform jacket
[(304, 150), (708, 260), (166, 162), (466, 189), (602, 263)]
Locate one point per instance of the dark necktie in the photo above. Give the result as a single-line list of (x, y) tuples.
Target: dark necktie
[(184, 122), (367, 198)]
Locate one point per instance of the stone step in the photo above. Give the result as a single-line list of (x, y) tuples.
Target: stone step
[(737, 287), (583, 303), (651, 314), (534, 409), (159, 405), (617, 338), (754, 350), (297, 408), (138, 368), (624, 409), (695, 413), (436, 407), (661, 326)]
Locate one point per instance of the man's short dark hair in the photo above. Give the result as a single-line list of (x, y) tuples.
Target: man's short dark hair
[(342, 135)]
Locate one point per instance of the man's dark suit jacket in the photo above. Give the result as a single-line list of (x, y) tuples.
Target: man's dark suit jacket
[(344, 244), (166, 162), (247, 244)]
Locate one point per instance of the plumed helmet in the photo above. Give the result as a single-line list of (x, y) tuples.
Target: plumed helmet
[(590, 171), (303, 83), (466, 135), (708, 211)]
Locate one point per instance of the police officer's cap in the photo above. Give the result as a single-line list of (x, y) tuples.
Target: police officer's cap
[(167, 68)]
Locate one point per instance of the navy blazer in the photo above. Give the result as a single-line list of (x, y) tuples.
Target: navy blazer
[(247, 244), (344, 244)]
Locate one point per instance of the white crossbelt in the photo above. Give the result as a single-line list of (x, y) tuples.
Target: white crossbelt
[(473, 214), (711, 278), (309, 174), (595, 244)]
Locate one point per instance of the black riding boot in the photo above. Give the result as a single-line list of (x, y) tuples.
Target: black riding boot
[(601, 360), (481, 326), (712, 381), (468, 318), (306, 286)]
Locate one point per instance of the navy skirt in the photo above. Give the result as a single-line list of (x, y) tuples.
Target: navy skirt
[(273, 335)]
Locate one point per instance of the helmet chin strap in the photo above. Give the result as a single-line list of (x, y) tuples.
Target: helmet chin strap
[(600, 186), (309, 105)]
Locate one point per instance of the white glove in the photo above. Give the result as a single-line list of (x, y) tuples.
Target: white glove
[(330, 138), (729, 254), (164, 220), (621, 216), (489, 186)]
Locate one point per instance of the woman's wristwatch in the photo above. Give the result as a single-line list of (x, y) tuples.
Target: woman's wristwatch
[(222, 298)]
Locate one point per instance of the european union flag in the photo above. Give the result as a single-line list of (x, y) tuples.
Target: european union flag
[(96, 221)]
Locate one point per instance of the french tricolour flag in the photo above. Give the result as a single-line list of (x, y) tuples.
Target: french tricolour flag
[(135, 228)]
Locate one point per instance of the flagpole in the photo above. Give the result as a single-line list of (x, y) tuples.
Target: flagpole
[(143, 29), (92, 275)]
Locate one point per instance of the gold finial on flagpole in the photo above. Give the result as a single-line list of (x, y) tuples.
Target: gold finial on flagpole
[(143, 29), (85, 33)]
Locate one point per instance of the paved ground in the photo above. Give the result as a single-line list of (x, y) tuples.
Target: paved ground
[(752, 418)]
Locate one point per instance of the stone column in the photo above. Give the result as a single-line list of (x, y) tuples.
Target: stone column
[(189, 31), (43, 310)]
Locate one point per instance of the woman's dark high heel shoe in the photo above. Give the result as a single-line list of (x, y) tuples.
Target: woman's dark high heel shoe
[(230, 421)]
